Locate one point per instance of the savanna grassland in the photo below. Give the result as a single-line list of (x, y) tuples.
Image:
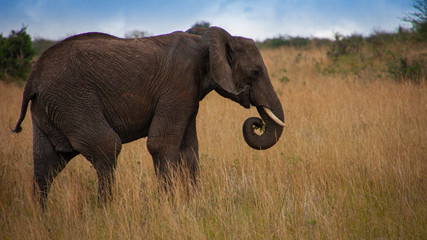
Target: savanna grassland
[(351, 164)]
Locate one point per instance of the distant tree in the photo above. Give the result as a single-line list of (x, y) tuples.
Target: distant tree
[(40, 45), (288, 41), (136, 34), (275, 42), (345, 45), (418, 19), (202, 24), (16, 53)]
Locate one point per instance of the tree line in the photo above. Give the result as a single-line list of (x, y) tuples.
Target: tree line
[(17, 51)]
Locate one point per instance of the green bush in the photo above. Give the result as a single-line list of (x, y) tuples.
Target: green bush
[(201, 24), (297, 42), (418, 19), (137, 34), (16, 53), (343, 46), (409, 69), (394, 55), (40, 45)]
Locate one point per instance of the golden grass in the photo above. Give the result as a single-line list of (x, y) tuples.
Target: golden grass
[(351, 164)]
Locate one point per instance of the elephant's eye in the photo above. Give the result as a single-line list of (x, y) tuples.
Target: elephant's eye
[(255, 72)]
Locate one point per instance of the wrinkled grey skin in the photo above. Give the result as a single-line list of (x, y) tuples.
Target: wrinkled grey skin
[(93, 92)]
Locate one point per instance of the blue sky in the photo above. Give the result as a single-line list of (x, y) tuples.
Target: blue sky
[(257, 19)]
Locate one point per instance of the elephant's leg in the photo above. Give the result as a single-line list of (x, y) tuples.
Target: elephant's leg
[(165, 157), (101, 145), (190, 151), (105, 172), (48, 163), (164, 143)]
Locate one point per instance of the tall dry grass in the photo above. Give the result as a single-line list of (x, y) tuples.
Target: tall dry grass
[(351, 164)]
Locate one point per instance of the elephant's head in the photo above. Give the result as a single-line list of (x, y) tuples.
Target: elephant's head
[(238, 70)]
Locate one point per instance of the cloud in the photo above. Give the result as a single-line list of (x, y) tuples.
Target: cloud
[(270, 18), (115, 25), (34, 10), (250, 18), (245, 18)]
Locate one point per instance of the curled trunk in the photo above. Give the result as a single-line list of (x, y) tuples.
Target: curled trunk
[(272, 130)]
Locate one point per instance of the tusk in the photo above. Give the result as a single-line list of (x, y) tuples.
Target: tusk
[(272, 116)]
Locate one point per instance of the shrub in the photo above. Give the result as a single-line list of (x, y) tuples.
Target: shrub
[(40, 45), (418, 19), (297, 42), (136, 34), (16, 53), (403, 68), (284, 79), (343, 46), (201, 24), (395, 54)]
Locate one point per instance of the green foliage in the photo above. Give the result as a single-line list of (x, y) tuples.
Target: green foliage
[(40, 45), (343, 46), (320, 42), (201, 24), (348, 55), (289, 41), (16, 53), (392, 54), (273, 43), (136, 34), (405, 68), (284, 79), (418, 19)]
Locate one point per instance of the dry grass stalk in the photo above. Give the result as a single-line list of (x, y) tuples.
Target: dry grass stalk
[(351, 164)]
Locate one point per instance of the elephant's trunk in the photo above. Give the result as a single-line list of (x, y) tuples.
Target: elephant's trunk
[(273, 126)]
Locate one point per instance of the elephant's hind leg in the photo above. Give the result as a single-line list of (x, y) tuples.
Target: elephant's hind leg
[(101, 145), (48, 163)]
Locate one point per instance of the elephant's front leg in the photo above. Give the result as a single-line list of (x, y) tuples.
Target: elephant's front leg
[(164, 143), (165, 156), (190, 151)]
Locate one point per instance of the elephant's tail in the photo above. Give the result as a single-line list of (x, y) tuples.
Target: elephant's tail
[(27, 97)]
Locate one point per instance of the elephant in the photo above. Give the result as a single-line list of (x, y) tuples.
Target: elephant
[(93, 92)]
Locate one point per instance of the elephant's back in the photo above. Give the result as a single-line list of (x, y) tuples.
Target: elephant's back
[(90, 36)]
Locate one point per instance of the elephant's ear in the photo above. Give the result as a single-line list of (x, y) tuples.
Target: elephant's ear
[(220, 52)]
